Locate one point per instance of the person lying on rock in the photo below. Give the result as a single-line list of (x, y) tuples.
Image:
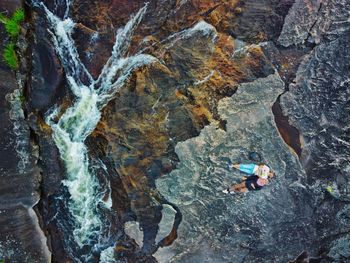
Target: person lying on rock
[(259, 177)]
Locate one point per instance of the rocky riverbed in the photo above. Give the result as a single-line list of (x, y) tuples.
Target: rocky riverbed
[(181, 88)]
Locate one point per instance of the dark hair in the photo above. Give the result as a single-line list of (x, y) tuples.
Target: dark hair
[(254, 156)]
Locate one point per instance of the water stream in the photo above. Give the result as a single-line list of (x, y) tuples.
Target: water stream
[(71, 127)]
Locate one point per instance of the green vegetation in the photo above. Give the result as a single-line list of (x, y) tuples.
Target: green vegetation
[(13, 27), (10, 57), (329, 189)]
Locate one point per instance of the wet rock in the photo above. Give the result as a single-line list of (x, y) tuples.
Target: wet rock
[(21, 239), (304, 258), (9, 141), (45, 84)]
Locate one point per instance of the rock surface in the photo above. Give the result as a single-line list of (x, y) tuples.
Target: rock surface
[(299, 21), (21, 238), (269, 76), (320, 99), (250, 228)]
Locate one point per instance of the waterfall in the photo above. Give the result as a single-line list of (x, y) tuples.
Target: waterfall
[(72, 127)]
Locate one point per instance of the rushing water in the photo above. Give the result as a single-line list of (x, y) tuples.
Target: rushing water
[(75, 124)]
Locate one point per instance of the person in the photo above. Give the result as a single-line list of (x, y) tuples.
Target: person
[(261, 170), (258, 178)]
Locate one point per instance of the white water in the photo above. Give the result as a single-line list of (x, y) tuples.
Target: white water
[(78, 121), (108, 255)]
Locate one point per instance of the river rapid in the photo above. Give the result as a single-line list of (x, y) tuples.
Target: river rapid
[(73, 125)]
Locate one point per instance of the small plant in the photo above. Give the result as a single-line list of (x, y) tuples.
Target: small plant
[(10, 57), (329, 189), (13, 27)]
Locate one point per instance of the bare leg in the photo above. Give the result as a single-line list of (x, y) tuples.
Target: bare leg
[(236, 166), (243, 190), (240, 188)]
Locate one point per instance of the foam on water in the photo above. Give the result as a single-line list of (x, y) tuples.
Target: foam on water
[(108, 255), (79, 120)]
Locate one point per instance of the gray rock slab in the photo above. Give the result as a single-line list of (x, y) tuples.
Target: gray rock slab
[(166, 224), (299, 21), (318, 104), (333, 20), (315, 21), (132, 229), (21, 239), (271, 225)]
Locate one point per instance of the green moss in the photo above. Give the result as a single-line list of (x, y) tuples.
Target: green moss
[(18, 16), (10, 56), (3, 18), (13, 28), (12, 25), (329, 189)]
